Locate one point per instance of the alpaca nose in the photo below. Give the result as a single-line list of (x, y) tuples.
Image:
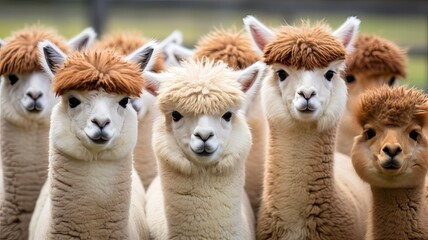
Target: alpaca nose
[(101, 122), (392, 150), (204, 135), (35, 94), (307, 94)]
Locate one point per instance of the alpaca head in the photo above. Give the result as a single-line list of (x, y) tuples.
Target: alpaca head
[(93, 115), (200, 102), (392, 150), (26, 92), (374, 62), (304, 84)]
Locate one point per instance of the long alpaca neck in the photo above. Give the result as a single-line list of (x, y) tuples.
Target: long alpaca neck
[(300, 194), (203, 206), (144, 157), (398, 214), (24, 156), (90, 199)]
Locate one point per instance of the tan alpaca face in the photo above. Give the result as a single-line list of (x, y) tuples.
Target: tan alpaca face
[(391, 156)]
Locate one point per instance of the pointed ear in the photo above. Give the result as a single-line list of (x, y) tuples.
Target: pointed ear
[(83, 40), (175, 37), (260, 34), (251, 76), (175, 53), (50, 57), (347, 32), (152, 82), (145, 56)]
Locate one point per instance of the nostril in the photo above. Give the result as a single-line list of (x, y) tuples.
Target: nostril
[(34, 95), (392, 152), (307, 95), (101, 123), (203, 137)]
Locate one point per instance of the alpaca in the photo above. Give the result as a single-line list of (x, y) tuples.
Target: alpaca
[(234, 48), (201, 142), (26, 103), (374, 62), (93, 191), (307, 194), (391, 155), (175, 53), (124, 43)]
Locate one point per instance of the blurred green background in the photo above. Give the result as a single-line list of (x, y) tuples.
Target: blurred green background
[(403, 22)]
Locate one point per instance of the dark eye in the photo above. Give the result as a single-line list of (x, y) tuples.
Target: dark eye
[(370, 133), (349, 78), (414, 135), (227, 116), (329, 75), (73, 102), (13, 78), (176, 116), (282, 75), (391, 82), (124, 102)]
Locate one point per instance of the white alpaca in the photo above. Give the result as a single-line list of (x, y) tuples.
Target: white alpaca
[(201, 142), (26, 103), (93, 191), (307, 194), (391, 155)]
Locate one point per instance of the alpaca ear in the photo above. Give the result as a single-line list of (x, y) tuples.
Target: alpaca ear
[(347, 32), (50, 57), (250, 77), (152, 82), (260, 34), (176, 37), (175, 53), (145, 56), (83, 40)]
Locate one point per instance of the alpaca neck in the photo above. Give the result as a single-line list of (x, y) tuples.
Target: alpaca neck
[(24, 156), (90, 199), (203, 203), (398, 214)]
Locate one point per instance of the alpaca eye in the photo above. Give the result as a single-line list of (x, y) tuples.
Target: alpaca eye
[(73, 102), (124, 102), (414, 135), (176, 116), (12, 78), (282, 75), (329, 75), (350, 78), (227, 116), (370, 133), (391, 82)]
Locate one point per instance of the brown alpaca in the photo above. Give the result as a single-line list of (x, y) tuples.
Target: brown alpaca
[(391, 154), (234, 48), (373, 63), (26, 103)]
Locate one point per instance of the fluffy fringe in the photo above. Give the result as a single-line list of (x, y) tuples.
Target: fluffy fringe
[(229, 46), (20, 53), (92, 70)]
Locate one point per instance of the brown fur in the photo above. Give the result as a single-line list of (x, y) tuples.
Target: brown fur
[(206, 95), (92, 70), (395, 107), (229, 46), (124, 43), (305, 47), (20, 53), (375, 55)]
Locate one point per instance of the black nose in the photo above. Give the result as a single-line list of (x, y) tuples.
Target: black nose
[(204, 136), (392, 151), (35, 95), (307, 95), (101, 123)]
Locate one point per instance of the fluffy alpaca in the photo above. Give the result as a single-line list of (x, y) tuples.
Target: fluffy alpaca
[(93, 191), (234, 48), (391, 155), (307, 194), (374, 62), (26, 103), (201, 143)]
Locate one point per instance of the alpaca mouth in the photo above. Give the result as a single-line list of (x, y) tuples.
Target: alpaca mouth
[(99, 139), (34, 108), (391, 164), (204, 153)]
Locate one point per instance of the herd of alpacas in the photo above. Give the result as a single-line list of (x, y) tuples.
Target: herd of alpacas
[(292, 132)]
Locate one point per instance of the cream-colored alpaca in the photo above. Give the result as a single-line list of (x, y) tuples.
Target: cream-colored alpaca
[(26, 103), (373, 63), (235, 48), (201, 142), (306, 193), (124, 43), (93, 191), (391, 154)]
